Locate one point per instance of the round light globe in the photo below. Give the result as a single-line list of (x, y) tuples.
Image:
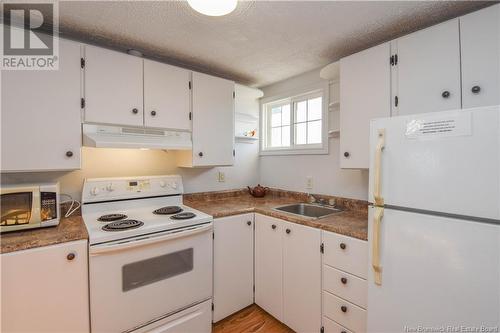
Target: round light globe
[(213, 7)]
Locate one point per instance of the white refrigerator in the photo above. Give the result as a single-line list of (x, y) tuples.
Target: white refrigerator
[(434, 222)]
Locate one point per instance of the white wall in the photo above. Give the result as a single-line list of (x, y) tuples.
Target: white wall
[(290, 171)]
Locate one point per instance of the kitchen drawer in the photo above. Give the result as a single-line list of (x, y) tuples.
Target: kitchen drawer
[(354, 317), (332, 327), (344, 285), (346, 253)]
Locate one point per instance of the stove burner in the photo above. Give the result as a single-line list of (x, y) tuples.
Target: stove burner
[(168, 210), (122, 225), (183, 216), (112, 217)]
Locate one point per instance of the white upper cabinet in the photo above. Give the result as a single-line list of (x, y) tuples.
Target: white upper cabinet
[(480, 46), (113, 87), (364, 94), (427, 76), (41, 115), (213, 122), (166, 96), (233, 264)]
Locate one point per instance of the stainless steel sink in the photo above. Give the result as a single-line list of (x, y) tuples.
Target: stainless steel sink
[(308, 210)]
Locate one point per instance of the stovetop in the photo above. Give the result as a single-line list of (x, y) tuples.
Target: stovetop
[(120, 208), (139, 210)]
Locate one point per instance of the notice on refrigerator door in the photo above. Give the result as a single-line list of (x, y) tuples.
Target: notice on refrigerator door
[(447, 124)]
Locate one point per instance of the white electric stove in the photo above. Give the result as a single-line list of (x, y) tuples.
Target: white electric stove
[(150, 256)]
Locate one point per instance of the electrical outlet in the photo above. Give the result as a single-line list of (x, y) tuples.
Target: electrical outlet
[(221, 177), (309, 182)]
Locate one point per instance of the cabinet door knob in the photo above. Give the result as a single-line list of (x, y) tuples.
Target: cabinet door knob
[(273, 226), (342, 246), (476, 89), (153, 113), (135, 111), (445, 94), (249, 222), (343, 280), (200, 154), (288, 231), (343, 308), (70, 256), (346, 154), (69, 153)]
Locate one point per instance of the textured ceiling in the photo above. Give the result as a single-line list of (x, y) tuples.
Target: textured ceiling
[(261, 42)]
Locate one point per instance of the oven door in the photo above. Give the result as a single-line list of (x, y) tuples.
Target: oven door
[(133, 282)]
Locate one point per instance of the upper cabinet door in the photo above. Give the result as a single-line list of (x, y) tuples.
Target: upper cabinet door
[(213, 120), (113, 87), (428, 70), (166, 96), (480, 45), (41, 115), (365, 85)]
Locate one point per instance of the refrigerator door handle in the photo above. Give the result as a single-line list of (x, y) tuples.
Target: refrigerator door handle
[(379, 201), (377, 269)]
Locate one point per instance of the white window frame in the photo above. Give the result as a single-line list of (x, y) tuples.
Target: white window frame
[(293, 149)]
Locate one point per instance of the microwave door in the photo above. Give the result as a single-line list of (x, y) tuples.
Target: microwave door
[(20, 206)]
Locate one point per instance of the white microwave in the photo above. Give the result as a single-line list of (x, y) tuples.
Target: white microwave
[(29, 206)]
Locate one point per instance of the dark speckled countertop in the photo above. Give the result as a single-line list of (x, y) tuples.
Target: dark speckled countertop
[(69, 229), (352, 221)]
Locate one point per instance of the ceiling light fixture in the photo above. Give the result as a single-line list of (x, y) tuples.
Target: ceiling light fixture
[(213, 7)]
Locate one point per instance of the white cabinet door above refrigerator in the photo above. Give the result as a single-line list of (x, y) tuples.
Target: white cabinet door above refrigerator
[(446, 162)]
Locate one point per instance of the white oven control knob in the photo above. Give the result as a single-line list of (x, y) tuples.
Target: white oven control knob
[(110, 187), (174, 185), (162, 183), (94, 191)]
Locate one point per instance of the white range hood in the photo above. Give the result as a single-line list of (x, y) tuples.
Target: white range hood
[(104, 136)]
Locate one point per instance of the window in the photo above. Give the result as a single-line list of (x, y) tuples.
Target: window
[(294, 125)]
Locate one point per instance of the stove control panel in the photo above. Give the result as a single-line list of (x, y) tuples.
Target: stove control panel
[(109, 189)]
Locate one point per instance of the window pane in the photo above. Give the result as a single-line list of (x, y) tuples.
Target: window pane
[(301, 111), (276, 137), (276, 116), (314, 108), (300, 134), (285, 111), (285, 136), (314, 131)]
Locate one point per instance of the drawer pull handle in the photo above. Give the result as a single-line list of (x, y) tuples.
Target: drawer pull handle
[(343, 308), (70, 256), (288, 231), (273, 226), (343, 280), (342, 246)]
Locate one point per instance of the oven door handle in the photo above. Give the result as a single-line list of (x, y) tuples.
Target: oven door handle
[(148, 240)]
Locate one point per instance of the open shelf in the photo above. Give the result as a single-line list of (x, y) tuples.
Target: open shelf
[(246, 139)]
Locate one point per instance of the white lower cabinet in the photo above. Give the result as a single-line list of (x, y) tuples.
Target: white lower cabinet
[(288, 272), (269, 265), (46, 289), (233, 264), (301, 277), (345, 263)]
